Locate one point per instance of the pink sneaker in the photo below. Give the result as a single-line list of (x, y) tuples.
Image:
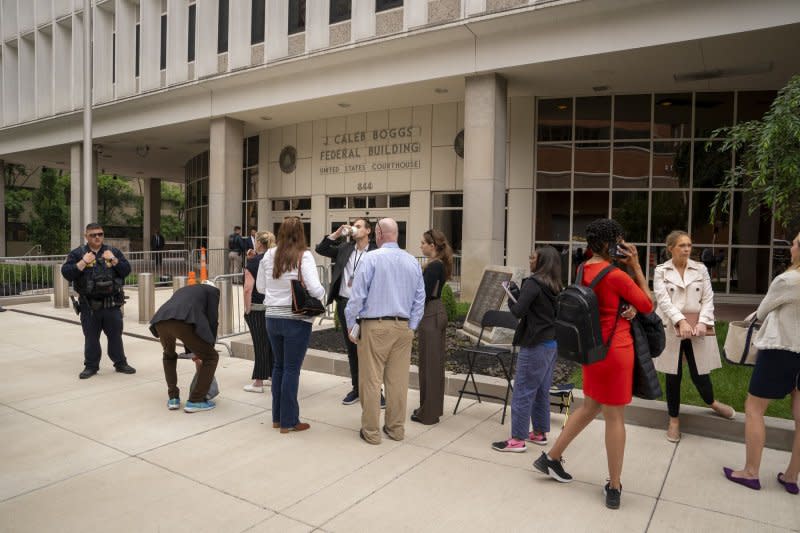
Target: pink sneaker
[(537, 438), (510, 445)]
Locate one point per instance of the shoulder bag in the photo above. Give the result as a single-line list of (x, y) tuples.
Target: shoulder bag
[(739, 348), (302, 302)]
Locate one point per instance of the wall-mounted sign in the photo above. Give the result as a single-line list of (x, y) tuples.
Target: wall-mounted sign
[(288, 159), (371, 150)]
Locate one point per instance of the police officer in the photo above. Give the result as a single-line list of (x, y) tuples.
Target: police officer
[(97, 273)]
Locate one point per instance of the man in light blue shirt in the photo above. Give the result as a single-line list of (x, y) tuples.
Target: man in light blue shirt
[(387, 300)]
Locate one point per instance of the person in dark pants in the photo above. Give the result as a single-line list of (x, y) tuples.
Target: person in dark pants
[(191, 315), (97, 273), (255, 316), (347, 256), (432, 329), (156, 245)]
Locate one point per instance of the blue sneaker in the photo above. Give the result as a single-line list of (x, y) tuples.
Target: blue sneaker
[(351, 398), (173, 404), (193, 407)]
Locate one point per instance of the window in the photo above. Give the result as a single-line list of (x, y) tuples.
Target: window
[(113, 57), (192, 29), (448, 216), (297, 16), (163, 58), (250, 182), (257, 22), (138, 48), (340, 11), (383, 5), (222, 27)]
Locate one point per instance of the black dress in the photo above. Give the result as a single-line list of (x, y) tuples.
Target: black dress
[(432, 335)]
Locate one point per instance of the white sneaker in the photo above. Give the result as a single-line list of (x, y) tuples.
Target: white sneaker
[(252, 388)]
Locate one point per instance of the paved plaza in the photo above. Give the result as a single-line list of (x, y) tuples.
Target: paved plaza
[(105, 454)]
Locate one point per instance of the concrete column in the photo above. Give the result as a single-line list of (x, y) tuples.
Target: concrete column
[(319, 221), (125, 22), (520, 181), (150, 44), (206, 22), (75, 196), (177, 41), (362, 19), (238, 34), (318, 34), (102, 58), (151, 216), (484, 177), (3, 209), (474, 7), (420, 220), (224, 185), (415, 14), (277, 29)]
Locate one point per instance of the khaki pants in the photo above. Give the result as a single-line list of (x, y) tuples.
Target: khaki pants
[(168, 332), (384, 357)]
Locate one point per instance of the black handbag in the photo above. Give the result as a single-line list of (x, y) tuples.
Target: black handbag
[(645, 379), (302, 302)]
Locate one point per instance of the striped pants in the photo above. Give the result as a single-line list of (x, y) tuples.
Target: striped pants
[(262, 367)]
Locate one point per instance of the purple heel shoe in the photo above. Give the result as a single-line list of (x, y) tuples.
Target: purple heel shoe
[(790, 487), (749, 483)]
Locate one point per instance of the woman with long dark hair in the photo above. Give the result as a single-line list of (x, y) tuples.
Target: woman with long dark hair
[(288, 333), (432, 328), (607, 384), (535, 336), (254, 314)]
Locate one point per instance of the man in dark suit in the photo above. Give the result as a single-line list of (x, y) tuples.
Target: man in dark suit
[(347, 255), (156, 245), (191, 315)]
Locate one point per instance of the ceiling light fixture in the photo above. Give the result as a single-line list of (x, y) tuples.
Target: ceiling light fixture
[(561, 107), (713, 74), (265, 118), (440, 90), (343, 105), (600, 88)]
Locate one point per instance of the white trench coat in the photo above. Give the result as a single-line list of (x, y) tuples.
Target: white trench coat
[(690, 294)]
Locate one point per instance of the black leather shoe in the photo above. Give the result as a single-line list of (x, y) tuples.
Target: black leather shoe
[(87, 373), (125, 368)]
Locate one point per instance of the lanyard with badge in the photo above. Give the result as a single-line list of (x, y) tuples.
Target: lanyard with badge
[(357, 258)]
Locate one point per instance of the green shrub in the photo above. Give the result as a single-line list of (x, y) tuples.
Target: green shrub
[(449, 301)]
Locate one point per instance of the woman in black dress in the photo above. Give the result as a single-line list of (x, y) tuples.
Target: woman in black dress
[(254, 314), (432, 328)]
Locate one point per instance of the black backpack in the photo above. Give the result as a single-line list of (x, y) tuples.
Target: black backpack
[(577, 323)]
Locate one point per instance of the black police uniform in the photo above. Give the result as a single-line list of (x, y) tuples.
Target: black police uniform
[(99, 310)]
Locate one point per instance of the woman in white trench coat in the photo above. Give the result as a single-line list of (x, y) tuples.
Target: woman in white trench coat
[(686, 305)]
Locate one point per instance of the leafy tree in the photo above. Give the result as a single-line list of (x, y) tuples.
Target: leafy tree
[(768, 166), (172, 226), (50, 211), (16, 200), (113, 195)]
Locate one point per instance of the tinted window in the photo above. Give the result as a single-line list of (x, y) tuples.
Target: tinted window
[(222, 27), (163, 59), (297, 16), (257, 22), (192, 26), (340, 11), (383, 5)]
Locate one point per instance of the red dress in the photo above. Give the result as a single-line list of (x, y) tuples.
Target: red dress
[(610, 381)]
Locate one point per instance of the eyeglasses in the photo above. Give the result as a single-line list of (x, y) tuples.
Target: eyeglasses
[(94, 235)]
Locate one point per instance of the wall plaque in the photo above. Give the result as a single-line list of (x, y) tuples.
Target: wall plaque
[(288, 159)]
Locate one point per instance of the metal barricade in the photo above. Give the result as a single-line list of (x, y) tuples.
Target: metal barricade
[(29, 274), (324, 274), (231, 305)]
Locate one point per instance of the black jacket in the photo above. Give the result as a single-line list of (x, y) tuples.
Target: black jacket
[(72, 273), (340, 252), (194, 304), (156, 242), (536, 309)]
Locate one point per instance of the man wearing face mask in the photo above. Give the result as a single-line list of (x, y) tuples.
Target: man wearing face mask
[(347, 255), (97, 273)]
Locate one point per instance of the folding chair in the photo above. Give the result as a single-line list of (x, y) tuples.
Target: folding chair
[(491, 319), (561, 397)]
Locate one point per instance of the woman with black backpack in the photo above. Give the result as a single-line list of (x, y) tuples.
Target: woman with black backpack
[(535, 336), (608, 383)]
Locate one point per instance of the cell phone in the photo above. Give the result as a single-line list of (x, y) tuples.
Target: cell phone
[(616, 252), (511, 297)]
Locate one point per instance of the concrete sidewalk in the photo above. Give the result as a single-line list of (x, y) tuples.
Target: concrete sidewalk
[(105, 454)]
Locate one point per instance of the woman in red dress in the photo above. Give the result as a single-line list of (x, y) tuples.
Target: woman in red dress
[(607, 384)]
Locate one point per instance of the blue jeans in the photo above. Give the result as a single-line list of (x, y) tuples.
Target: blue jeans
[(530, 402), (289, 341)]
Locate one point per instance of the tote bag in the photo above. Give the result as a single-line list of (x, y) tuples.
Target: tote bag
[(302, 302), (739, 348)]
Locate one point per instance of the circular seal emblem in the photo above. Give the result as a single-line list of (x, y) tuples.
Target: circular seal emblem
[(458, 144), (288, 159)]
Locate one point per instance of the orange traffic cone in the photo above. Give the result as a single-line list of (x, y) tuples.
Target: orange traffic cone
[(191, 280), (203, 268)]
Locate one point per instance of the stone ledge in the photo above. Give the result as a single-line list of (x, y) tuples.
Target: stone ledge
[(653, 414)]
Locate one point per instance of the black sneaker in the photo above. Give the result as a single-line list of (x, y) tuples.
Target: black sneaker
[(613, 496), (351, 398), (552, 468)]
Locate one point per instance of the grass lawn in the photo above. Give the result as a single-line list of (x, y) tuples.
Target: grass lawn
[(730, 384)]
